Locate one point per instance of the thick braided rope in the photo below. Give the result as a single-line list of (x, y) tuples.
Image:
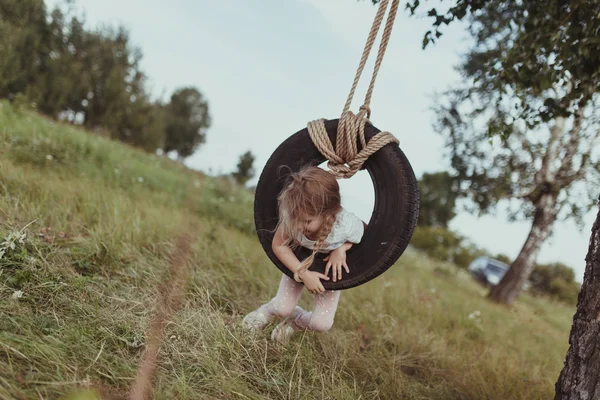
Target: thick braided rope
[(346, 160), (346, 167), (367, 50)]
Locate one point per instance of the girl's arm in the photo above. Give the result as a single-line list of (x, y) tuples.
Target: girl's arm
[(311, 279), (337, 258), (283, 252)]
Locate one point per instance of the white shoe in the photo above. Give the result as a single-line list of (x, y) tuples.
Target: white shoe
[(285, 329), (256, 320)]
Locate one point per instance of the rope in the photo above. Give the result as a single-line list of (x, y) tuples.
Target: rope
[(346, 160)]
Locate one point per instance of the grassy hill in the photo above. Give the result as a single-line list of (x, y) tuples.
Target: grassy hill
[(89, 227)]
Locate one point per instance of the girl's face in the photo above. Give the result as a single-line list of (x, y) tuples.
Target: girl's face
[(312, 225)]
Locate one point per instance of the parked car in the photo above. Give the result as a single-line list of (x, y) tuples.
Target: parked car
[(490, 271)]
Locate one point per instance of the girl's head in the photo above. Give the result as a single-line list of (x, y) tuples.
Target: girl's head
[(308, 205)]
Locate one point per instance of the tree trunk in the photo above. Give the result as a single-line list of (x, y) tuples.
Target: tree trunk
[(580, 377), (512, 283)]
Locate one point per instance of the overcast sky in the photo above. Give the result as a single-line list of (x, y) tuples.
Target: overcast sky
[(267, 67)]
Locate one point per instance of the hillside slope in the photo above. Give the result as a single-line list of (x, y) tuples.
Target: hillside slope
[(93, 224)]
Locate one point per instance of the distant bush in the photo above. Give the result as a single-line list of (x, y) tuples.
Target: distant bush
[(556, 280), (445, 245)]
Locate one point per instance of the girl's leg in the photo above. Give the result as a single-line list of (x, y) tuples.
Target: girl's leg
[(284, 303), (321, 318)]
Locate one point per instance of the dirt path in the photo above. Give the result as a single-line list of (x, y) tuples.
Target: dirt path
[(170, 296)]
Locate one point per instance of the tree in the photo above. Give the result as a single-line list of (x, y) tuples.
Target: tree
[(245, 169), (580, 377), (568, 31), (60, 79), (438, 193), (23, 31), (544, 154), (187, 120), (68, 72)]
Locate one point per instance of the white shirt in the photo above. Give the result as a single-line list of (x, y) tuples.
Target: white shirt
[(346, 228)]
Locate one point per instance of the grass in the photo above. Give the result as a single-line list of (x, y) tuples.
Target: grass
[(100, 220)]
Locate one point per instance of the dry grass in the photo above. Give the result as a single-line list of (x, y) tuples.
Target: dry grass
[(99, 241)]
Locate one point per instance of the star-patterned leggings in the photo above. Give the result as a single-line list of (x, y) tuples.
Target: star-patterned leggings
[(284, 303)]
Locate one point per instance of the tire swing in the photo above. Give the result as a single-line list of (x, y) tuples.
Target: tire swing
[(358, 145)]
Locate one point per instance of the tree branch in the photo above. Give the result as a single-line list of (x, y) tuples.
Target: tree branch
[(545, 173), (527, 195), (570, 175), (572, 147), (527, 146), (566, 179)]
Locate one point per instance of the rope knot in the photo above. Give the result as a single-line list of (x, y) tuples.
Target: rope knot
[(366, 109), (346, 160)]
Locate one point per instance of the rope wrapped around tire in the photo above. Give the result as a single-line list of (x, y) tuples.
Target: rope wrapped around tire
[(391, 225)]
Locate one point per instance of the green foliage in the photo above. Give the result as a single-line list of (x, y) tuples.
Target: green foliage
[(547, 44), (438, 243), (556, 280), (554, 42), (187, 119), (504, 258), (499, 100), (445, 245), (23, 38), (245, 169), (438, 193), (91, 77), (466, 253), (456, 12)]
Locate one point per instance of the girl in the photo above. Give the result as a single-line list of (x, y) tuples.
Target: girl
[(310, 215)]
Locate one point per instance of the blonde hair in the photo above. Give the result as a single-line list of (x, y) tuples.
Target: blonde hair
[(311, 193)]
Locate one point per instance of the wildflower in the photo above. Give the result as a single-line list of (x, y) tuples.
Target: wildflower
[(475, 314), (17, 295)]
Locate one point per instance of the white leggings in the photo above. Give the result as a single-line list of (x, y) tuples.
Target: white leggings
[(284, 303)]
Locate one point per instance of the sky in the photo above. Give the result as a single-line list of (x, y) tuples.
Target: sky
[(267, 67)]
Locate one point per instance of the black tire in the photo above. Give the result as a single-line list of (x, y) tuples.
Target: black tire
[(391, 225)]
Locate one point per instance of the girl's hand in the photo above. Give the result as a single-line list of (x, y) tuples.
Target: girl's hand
[(312, 281), (336, 260)]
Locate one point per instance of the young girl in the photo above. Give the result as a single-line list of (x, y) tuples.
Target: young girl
[(310, 215)]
